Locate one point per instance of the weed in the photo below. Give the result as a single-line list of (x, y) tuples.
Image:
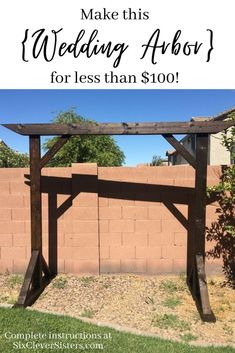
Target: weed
[(171, 302), (59, 282), (182, 276), (86, 281), (187, 337), (3, 298), (170, 286), (11, 300), (89, 313), (227, 329), (14, 280), (166, 321)]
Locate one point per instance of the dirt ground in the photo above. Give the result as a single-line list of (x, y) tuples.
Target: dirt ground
[(159, 305)]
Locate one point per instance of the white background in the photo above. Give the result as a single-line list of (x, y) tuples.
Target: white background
[(192, 17)]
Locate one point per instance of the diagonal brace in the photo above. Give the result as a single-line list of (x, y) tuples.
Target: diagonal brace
[(180, 149), (25, 289), (53, 150)]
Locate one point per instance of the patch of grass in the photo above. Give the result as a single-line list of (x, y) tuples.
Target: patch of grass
[(13, 281), (59, 282), (170, 286), (172, 321), (86, 281), (172, 302), (11, 299), (188, 337), (182, 276), (27, 321), (89, 313), (227, 329)]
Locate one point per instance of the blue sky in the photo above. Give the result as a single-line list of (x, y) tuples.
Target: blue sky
[(40, 106)]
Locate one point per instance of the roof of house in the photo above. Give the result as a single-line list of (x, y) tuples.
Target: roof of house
[(219, 117)]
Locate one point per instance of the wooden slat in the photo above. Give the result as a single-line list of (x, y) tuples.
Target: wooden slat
[(156, 128), (53, 150), (180, 149), (27, 279), (36, 206)]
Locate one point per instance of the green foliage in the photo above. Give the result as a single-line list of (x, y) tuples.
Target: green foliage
[(59, 282), (172, 321), (86, 281), (14, 281), (170, 287), (156, 161), (223, 230), (88, 313), (12, 159), (172, 302), (81, 149), (187, 337)]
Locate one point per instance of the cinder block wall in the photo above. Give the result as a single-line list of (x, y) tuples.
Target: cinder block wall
[(106, 220)]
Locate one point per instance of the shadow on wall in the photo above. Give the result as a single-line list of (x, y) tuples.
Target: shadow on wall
[(168, 195), (222, 231), (72, 187)]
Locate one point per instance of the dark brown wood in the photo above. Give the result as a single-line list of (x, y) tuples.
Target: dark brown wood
[(27, 279), (180, 149), (45, 268), (206, 308), (53, 150), (36, 206), (52, 231), (157, 128), (200, 192), (199, 286), (34, 294), (191, 242)]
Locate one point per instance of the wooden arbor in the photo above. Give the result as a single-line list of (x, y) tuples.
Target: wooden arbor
[(39, 274)]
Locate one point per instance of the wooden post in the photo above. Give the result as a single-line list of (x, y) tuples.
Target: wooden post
[(36, 207), (200, 192), (199, 285), (52, 230)]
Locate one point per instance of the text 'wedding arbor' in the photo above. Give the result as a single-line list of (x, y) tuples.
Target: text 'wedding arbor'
[(39, 274)]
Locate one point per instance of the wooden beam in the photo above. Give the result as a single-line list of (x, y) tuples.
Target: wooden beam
[(180, 149), (53, 150), (36, 206), (156, 128)]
